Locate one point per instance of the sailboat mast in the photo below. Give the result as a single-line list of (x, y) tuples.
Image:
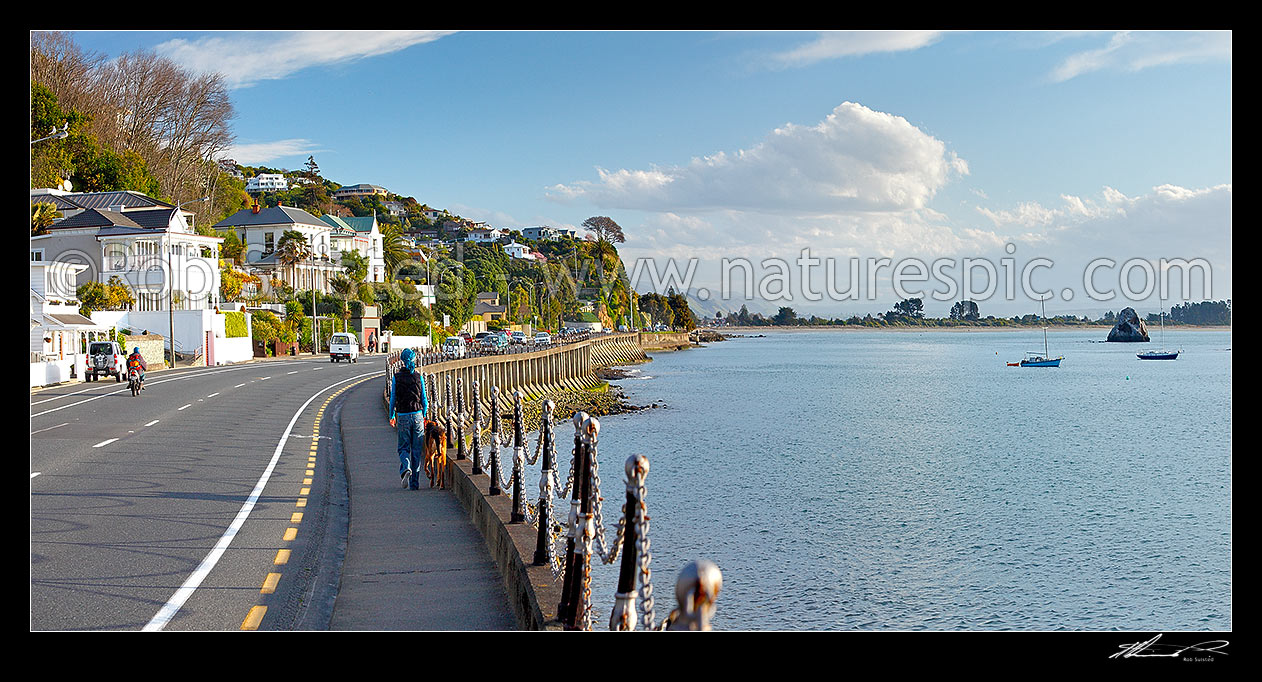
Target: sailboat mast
[(1044, 308)]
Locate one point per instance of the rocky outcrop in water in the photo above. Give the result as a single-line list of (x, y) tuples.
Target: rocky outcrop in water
[(1129, 327)]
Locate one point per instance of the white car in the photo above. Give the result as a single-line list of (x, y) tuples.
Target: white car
[(543, 339), (517, 337), (343, 346), (454, 347)]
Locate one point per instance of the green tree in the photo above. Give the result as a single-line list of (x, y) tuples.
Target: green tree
[(291, 249), (356, 265)]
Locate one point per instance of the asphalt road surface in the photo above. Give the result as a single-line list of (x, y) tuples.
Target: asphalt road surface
[(210, 502)]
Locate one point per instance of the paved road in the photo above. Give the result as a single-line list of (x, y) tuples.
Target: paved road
[(210, 502)]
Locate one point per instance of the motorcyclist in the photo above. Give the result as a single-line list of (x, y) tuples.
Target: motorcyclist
[(137, 361)]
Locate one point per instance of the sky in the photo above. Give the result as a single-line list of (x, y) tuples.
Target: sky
[(786, 162)]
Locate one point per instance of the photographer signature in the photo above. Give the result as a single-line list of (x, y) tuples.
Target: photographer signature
[(1151, 649)]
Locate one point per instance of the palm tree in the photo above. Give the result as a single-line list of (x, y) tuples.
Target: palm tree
[(43, 215), (292, 249), (394, 248)]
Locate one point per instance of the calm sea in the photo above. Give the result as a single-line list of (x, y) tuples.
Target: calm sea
[(873, 480)]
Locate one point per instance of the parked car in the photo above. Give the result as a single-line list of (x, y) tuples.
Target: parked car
[(543, 339), (454, 347), (622, 327), (343, 346), (518, 337), (105, 358), (481, 335), (494, 342)]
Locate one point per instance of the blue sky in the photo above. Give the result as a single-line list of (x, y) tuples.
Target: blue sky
[(756, 145)]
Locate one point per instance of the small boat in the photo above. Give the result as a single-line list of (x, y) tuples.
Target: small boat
[(1160, 354), (1035, 359)]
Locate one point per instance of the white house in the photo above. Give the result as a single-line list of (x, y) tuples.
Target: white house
[(363, 235), (267, 182), (59, 334), (138, 240), (261, 229), (486, 235), (515, 250)]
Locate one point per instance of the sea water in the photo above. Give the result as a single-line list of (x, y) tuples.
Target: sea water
[(906, 480)]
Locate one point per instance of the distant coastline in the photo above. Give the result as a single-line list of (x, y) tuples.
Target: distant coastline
[(960, 328)]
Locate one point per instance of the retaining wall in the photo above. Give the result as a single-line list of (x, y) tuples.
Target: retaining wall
[(532, 590)]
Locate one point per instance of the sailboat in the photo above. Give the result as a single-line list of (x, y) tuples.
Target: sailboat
[(1033, 359), (1160, 354)]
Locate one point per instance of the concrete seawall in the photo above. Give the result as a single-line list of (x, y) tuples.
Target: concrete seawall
[(532, 590)]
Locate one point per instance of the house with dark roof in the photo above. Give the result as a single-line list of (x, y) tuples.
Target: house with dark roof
[(260, 229), (488, 307), (137, 239)]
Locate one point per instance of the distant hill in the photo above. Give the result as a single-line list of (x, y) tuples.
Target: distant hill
[(713, 306)]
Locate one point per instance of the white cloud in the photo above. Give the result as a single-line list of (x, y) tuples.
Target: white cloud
[(263, 153), (1134, 51), (856, 159), (247, 58), (838, 44)]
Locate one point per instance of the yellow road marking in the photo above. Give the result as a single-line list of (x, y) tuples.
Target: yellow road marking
[(296, 518), (290, 534), (269, 585), (306, 481), (302, 502), (253, 618), (282, 557), (305, 491)]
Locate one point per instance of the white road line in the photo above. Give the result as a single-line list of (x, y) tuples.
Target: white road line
[(264, 378), (152, 423), (104, 442), (148, 382), (50, 428), (185, 407), (172, 607), (213, 394), (238, 386), (35, 474), (293, 372)]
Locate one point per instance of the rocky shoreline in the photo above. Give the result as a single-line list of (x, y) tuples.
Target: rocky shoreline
[(595, 403)]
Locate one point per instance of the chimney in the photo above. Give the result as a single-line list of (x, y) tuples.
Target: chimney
[(255, 208)]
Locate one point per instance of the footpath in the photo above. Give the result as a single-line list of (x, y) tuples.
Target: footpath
[(414, 560)]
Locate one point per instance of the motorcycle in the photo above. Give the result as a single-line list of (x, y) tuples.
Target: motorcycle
[(133, 381)]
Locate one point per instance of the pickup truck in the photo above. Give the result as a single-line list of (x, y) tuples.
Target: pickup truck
[(343, 346), (105, 358)]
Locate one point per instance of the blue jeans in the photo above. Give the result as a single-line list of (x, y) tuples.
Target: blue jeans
[(411, 428)]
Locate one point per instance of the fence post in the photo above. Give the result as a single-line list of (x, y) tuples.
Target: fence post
[(460, 419), (696, 590), (432, 389), (451, 428), (543, 543), (637, 466), (477, 430), (519, 461), (495, 442), (578, 467)]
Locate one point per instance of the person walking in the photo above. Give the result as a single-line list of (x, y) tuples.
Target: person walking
[(408, 407)]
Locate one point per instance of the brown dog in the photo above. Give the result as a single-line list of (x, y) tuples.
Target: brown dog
[(436, 454)]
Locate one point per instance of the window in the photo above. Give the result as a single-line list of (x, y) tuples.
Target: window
[(37, 255), (269, 242), (115, 257)]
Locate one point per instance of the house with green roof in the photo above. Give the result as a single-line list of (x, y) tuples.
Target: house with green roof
[(362, 234), (260, 229)]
